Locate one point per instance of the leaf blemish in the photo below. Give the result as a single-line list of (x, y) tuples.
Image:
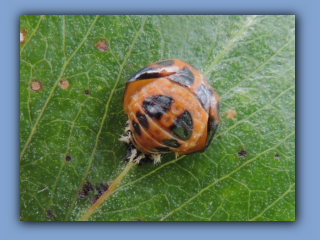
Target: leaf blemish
[(231, 114), (86, 92), (49, 213), (68, 158), (82, 194), (93, 199), (23, 36), (84, 191), (276, 157), (101, 46), (64, 84), (242, 153), (100, 189), (35, 86)]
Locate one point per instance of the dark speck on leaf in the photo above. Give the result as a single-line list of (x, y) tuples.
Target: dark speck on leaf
[(102, 188), (94, 199), (86, 92), (49, 213), (87, 186), (242, 153), (84, 191), (68, 158)]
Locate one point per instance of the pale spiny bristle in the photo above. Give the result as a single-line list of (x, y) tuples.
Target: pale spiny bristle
[(136, 155), (156, 158)]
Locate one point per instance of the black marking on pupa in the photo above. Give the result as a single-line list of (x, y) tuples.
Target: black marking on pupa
[(183, 77), (183, 126), (171, 143), (204, 94), (142, 119), (157, 105)]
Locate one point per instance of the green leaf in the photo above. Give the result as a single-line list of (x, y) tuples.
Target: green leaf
[(70, 136)]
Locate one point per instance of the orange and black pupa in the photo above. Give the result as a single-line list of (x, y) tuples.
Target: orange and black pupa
[(171, 108)]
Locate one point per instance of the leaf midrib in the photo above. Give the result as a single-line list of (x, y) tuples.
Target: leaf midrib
[(106, 113)]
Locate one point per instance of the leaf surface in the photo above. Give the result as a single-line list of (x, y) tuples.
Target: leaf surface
[(69, 137)]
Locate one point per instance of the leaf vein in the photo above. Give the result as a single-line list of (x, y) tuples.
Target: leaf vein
[(34, 128), (274, 202), (230, 44), (225, 176), (34, 31), (106, 112)]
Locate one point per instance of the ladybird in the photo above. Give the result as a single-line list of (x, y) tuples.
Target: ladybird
[(171, 108)]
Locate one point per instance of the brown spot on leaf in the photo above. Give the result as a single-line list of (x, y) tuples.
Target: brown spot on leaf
[(102, 46), (23, 34), (86, 92), (242, 153), (276, 157), (230, 114), (35, 86), (64, 84)]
